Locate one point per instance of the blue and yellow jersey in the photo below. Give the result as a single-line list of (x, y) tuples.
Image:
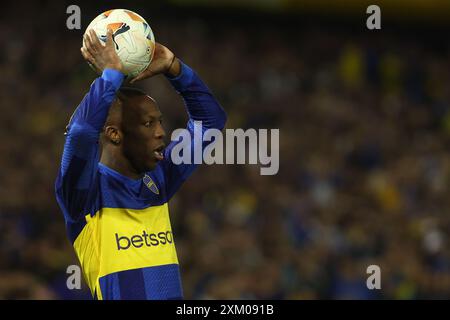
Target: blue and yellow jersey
[(120, 228)]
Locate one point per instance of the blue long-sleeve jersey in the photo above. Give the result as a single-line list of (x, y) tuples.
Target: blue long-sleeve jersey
[(120, 227)]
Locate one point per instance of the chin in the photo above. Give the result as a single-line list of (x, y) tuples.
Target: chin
[(151, 166)]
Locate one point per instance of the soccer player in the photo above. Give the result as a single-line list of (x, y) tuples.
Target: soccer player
[(114, 197)]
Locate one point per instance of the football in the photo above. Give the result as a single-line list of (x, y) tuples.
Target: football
[(132, 36)]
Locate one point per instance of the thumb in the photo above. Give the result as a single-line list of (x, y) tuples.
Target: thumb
[(142, 75), (137, 78)]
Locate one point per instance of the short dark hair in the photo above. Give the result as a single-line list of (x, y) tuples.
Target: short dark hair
[(124, 93), (129, 92)]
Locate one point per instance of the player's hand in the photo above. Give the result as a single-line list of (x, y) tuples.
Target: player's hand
[(163, 62), (99, 56)]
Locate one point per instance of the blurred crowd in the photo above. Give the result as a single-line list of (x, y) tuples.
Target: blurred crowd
[(364, 123)]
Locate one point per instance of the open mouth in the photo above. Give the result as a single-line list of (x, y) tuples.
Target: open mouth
[(158, 152)]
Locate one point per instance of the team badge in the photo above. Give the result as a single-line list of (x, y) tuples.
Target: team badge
[(150, 184)]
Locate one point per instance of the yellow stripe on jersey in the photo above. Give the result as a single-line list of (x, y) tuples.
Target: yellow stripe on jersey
[(118, 239)]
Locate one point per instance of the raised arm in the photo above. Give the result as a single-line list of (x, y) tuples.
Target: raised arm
[(200, 105), (81, 150)]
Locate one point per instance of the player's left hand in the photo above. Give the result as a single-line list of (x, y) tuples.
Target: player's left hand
[(163, 62)]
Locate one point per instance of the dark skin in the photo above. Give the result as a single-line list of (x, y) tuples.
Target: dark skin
[(133, 135)]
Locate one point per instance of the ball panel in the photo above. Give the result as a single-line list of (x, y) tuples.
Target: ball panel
[(134, 16), (133, 38), (106, 13)]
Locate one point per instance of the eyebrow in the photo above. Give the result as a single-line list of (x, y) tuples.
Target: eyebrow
[(160, 116)]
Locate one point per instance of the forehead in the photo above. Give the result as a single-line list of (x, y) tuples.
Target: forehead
[(141, 107)]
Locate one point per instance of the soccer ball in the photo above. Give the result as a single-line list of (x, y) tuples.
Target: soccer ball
[(132, 36)]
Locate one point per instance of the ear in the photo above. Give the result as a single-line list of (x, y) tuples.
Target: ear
[(113, 134)]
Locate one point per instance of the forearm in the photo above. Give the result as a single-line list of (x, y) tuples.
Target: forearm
[(199, 101), (93, 109), (81, 145)]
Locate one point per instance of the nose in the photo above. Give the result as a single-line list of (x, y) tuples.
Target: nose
[(160, 132)]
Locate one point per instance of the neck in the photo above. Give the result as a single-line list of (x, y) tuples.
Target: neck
[(119, 163)]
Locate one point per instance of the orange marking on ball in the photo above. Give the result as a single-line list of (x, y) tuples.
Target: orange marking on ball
[(134, 16), (115, 26), (107, 13)]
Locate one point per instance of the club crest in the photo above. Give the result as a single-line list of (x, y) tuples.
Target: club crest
[(150, 184)]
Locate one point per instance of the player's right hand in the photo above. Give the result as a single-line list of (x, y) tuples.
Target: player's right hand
[(99, 56)]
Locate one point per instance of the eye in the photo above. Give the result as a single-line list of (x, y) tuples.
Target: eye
[(148, 123)]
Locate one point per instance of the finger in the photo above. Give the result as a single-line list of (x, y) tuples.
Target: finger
[(89, 59), (86, 55), (140, 76), (88, 44), (83, 53), (109, 38), (95, 41)]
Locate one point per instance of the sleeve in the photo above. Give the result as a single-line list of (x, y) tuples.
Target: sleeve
[(81, 149), (201, 106)]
